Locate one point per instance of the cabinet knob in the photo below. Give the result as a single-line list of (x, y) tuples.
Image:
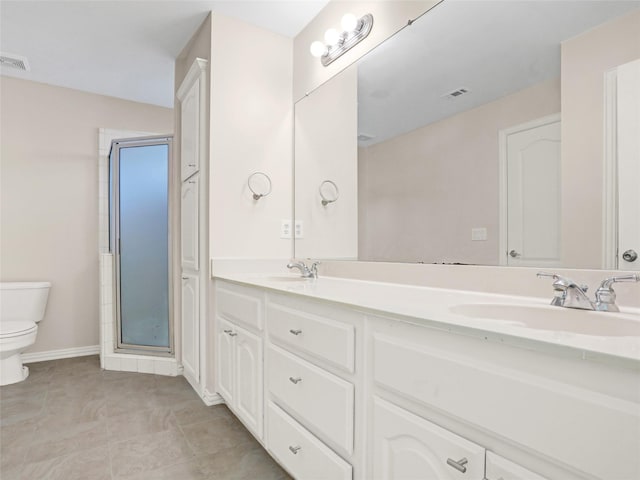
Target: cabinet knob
[(459, 465), (231, 333), (295, 449), (191, 164), (295, 380), (295, 332)]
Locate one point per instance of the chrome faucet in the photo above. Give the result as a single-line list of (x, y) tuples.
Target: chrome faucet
[(571, 295), (606, 297), (306, 272), (567, 293)]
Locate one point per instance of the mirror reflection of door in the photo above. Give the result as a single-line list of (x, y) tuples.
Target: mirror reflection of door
[(530, 204), (628, 149)]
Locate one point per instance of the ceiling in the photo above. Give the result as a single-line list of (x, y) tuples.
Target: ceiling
[(490, 48), (125, 49)]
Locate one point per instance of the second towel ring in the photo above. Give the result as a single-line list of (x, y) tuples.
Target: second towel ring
[(327, 200), (258, 193)]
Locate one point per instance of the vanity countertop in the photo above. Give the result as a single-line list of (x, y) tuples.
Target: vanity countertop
[(462, 312)]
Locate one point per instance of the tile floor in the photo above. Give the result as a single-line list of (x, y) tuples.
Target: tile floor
[(71, 420)]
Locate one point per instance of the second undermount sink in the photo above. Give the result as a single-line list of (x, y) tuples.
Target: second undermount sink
[(582, 322)]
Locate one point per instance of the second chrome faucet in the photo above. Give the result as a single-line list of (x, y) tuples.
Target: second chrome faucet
[(567, 293)]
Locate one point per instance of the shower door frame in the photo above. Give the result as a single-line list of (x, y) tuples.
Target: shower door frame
[(114, 241)]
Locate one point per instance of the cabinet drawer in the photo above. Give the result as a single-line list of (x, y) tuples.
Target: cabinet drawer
[(324, 338), (406, 446), (239, 307), (319, 399), (499, 468), (302, 454)]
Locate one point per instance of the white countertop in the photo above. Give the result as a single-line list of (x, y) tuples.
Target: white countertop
[(440, 308)]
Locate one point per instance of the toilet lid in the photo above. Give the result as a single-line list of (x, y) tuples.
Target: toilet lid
[(15, 328)]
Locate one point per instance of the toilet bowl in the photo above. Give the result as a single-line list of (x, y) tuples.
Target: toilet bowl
[(22, 306)]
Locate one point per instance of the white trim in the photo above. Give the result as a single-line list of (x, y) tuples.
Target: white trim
[(62, 353), (198, 66), (211, 399), (502, 178), (610, 174)]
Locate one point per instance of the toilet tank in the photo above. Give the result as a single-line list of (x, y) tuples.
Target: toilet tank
[(23, 300)]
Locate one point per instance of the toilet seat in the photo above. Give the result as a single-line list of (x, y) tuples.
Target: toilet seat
[(16, 328)]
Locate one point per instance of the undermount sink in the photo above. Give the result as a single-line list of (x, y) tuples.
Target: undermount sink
[(584, 322)]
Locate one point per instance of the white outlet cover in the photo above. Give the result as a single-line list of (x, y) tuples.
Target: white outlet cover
[(298, 229), (285, 229)]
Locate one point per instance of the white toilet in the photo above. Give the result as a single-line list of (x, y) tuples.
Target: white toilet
[(22, 305)]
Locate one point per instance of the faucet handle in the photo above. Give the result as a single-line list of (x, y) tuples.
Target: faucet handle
[(560, 282), (606, 296)]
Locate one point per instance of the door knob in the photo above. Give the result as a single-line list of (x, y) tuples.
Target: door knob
[(514, 254), (630, 256)]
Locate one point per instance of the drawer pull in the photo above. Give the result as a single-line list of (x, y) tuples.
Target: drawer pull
[(231, 333), (295, 332), (459, 465), (295, 449), (295, 380)]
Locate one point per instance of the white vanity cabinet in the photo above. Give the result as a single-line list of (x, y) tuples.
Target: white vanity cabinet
[(364, 395), (239, 353)]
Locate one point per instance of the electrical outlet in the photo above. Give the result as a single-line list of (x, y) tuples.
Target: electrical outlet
[(285, 229), (298, 230)]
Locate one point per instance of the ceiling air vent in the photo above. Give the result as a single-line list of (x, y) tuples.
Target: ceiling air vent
[(456, 93), (18, 62), (363, 137)]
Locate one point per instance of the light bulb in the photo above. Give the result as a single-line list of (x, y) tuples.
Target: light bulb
[(349, 22), (318, 49), (331, 36)]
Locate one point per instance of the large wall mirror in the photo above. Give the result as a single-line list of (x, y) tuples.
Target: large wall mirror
[(485, 133)]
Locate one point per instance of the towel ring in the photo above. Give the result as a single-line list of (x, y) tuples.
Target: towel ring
[(327, 200), (257, 195)]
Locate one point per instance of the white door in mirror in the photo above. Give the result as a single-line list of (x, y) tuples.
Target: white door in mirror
[(531, 182), (628, 124)]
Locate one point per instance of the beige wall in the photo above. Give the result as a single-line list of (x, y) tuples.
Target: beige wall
[(388, 18), (421, 193), (251, 130), (49, 197), (585, 59), (326, 149)]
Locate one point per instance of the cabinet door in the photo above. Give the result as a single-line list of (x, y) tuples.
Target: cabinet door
[(191, 327), (499, 468), (190, 131), (189, 226), (248, 373), (225, 359), (408, 447)]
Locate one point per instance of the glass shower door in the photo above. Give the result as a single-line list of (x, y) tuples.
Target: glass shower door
[(141, 174)]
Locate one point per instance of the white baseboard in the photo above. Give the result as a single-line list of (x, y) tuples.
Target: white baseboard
[(62, 353), (211, 399)]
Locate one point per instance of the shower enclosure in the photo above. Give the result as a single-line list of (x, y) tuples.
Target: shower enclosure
[(140, 241)]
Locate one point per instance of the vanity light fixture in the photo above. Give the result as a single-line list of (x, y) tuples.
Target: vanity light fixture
[(336, 44)]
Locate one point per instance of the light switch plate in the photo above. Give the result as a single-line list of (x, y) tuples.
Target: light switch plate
[(478, 234)]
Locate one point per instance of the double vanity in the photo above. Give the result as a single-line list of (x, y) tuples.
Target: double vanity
[(343, 379)]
